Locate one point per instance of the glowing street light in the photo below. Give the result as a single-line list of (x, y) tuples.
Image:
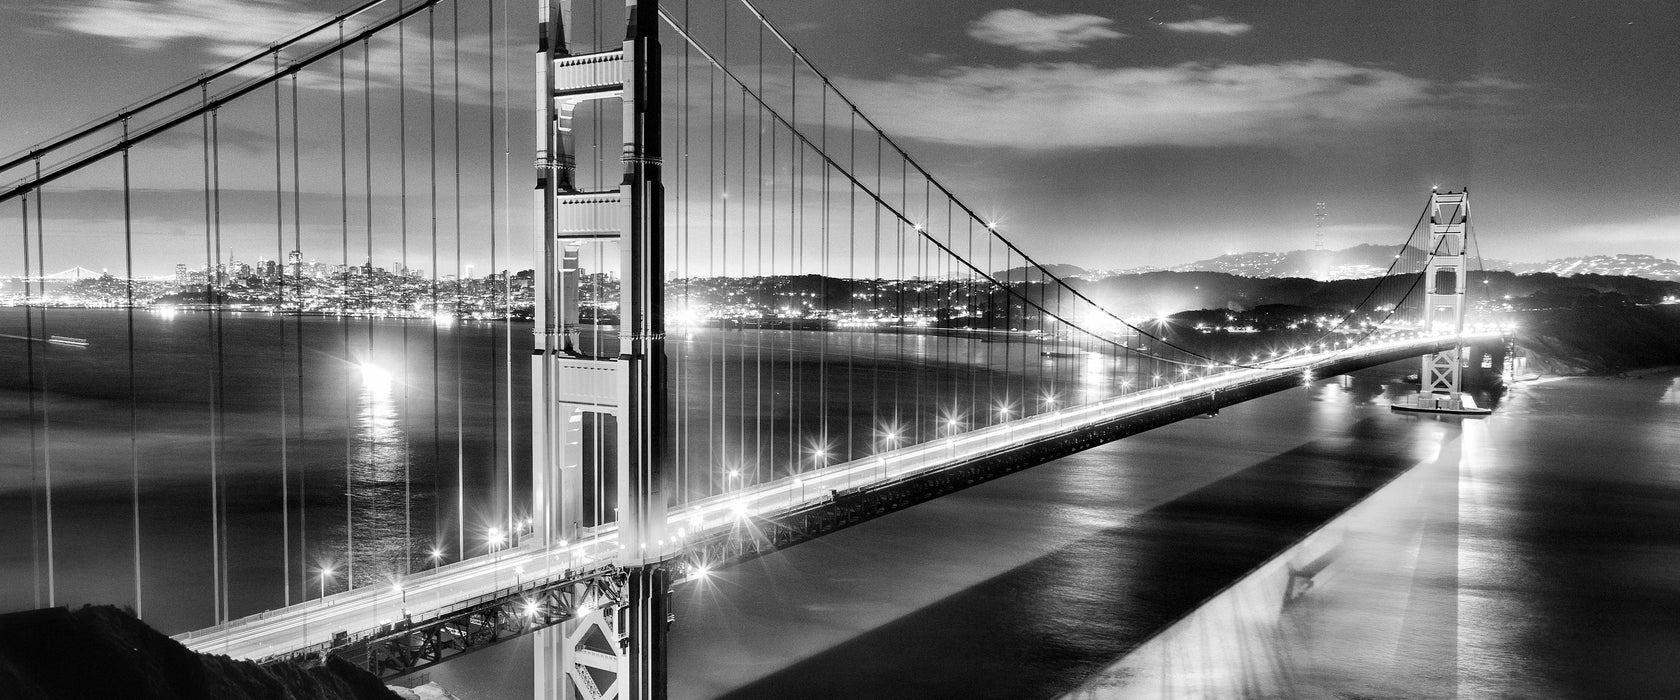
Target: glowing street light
[(326, 573)]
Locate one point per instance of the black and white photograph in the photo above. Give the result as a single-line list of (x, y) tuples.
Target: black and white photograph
[(779, 349)]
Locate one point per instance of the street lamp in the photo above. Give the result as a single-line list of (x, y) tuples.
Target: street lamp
[(495, 539), (326, 573)]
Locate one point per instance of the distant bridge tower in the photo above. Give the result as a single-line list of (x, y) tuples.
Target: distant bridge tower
[(1444, 306), (613, 644)]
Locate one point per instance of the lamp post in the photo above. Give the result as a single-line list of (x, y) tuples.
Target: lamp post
[(326, 573), (400, 591), (495, 539)]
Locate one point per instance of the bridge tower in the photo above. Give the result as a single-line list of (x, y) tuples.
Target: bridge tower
[(613, 645), (1444, 280)]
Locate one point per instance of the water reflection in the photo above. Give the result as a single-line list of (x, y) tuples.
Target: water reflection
[(1364, 601), (377, 532)]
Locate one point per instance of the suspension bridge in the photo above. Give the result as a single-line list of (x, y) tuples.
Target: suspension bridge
[(753, 318)]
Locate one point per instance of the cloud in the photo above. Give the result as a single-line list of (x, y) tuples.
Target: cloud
[(1210, 25), (149, 26), (1035, 33), (1046, 106), (228, 25)]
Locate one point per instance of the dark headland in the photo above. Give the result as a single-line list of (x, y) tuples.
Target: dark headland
[(103, 652)]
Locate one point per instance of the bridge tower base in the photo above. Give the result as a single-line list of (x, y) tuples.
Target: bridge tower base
[(1444, 281)]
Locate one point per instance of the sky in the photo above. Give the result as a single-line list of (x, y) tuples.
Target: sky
[(1123, 133)]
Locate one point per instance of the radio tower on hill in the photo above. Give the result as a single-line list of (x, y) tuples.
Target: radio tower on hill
[(1318, 226)]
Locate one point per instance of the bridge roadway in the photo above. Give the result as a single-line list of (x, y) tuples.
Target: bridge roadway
[(433, 593)]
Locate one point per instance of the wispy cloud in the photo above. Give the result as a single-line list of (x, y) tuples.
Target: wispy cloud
[(208, 26), (1035, 33), (1209, 25), (1046, 106), (227, 25)]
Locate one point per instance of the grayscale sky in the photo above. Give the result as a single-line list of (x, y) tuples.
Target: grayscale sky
[(1124, 133)]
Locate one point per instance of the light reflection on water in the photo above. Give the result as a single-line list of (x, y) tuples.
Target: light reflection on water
[(378, 534)]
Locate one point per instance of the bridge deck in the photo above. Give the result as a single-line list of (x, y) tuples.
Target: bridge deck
[(437, 593)]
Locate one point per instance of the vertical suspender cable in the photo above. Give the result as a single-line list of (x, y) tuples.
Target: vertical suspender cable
[(46, 379), (133, 396), (899, 281), (46, 382), (763, 274), (827, 306), (514, 524), (741, 426), (279, 254), (297, 272), (34, 448), (219, 396), (982, 363), (852, 283), (432, 198), (741, 284), (685, 249), (712, 392), (796, 247), (490, 202), (210, 298), (344, 257), (460, 282), (876, 281), (368, 271), (722, 274), (403, 278)]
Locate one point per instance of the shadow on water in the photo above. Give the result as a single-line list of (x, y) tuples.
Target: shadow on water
[(1040, 628)]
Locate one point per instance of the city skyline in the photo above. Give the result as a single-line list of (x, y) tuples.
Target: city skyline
[(1136, 135)]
